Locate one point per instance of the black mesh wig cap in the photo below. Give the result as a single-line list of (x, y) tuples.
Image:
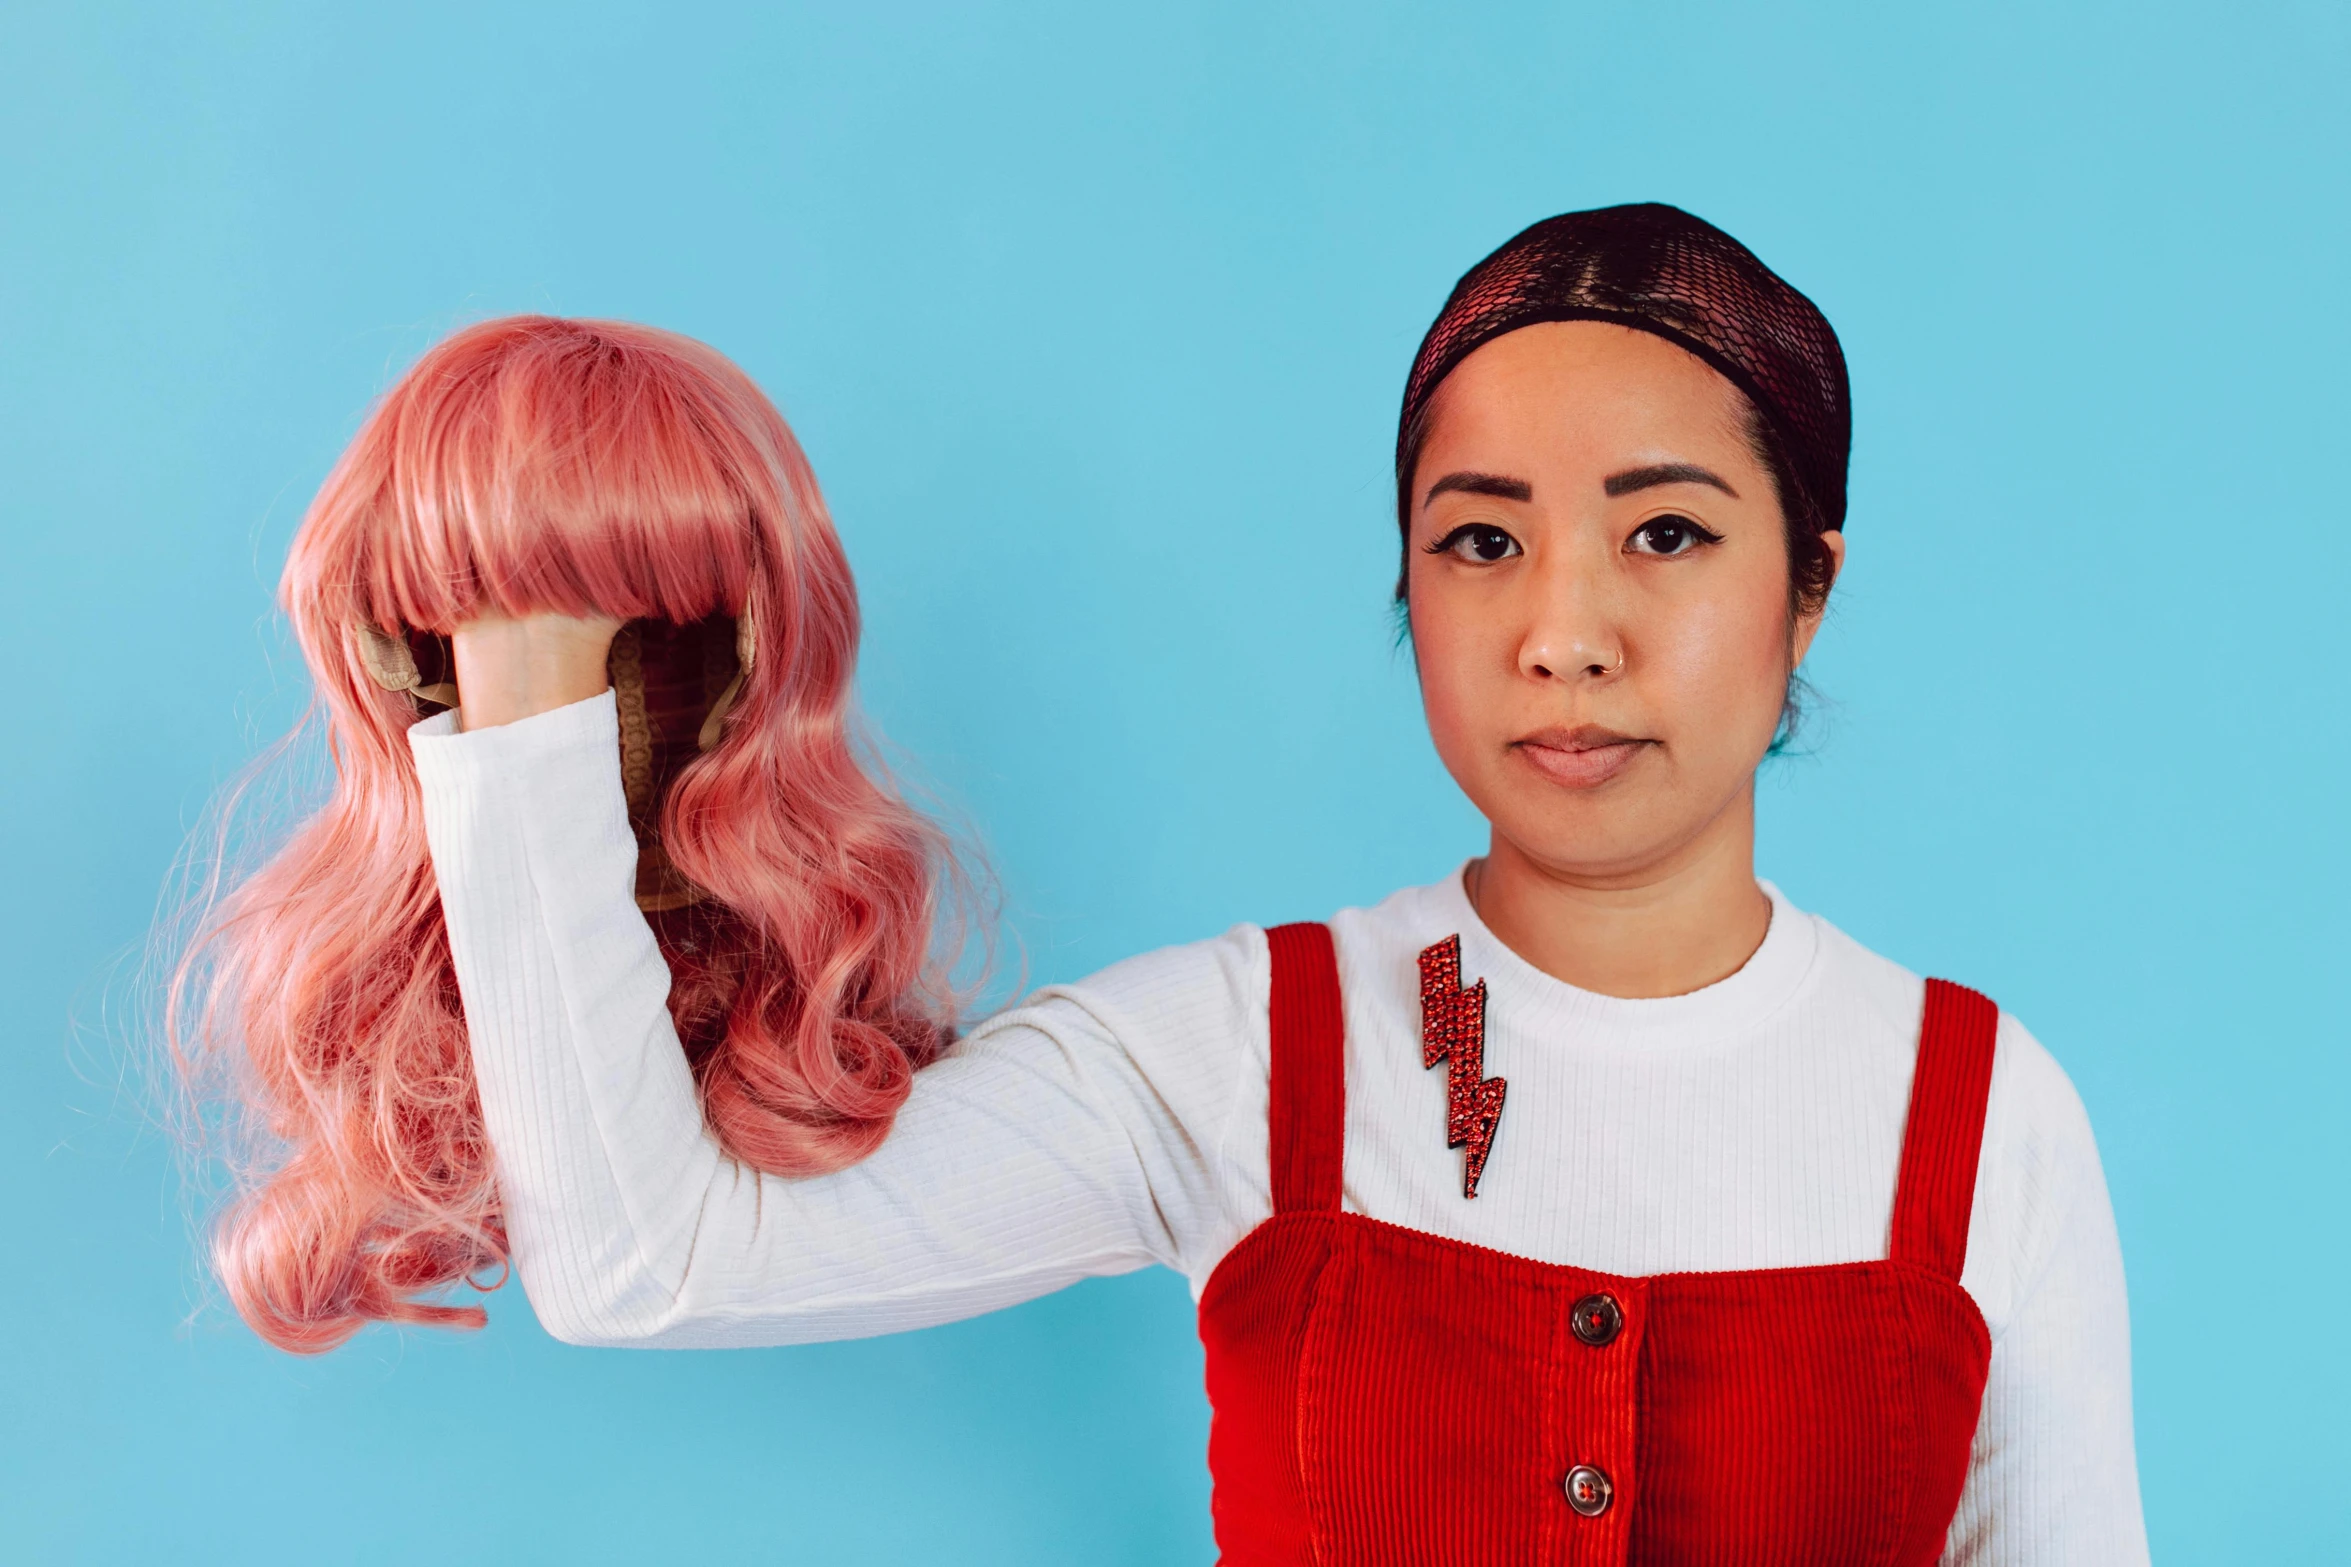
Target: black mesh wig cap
[(1657, 269)]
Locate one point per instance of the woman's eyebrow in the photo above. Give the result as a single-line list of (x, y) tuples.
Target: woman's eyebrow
[(1482, 484), (1663, 473)]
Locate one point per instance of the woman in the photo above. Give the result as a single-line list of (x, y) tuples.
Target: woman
[(1592, 1204)]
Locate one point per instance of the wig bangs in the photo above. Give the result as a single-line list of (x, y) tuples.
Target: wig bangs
[(534, 471)]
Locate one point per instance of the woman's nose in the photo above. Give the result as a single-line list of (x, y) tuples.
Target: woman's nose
[(1574, 633)]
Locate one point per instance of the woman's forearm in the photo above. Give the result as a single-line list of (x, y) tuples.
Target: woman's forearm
[(1005, 1178)]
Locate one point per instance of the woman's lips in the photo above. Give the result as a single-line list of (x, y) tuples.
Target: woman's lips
[(1579, 758)]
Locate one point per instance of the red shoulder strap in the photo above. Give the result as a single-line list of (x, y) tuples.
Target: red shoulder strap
[(1306, 1113), (1944, 1137)]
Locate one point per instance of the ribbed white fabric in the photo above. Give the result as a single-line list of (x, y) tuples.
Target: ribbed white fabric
[(1102, 1126)]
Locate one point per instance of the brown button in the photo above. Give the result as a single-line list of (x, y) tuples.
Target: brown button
[(1596, 1319), (1588, 1490)]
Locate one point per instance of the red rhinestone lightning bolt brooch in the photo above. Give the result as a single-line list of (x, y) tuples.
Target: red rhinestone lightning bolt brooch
[(1453, 1030)]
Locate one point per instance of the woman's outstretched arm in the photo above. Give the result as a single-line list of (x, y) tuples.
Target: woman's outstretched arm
[(1068, 1138)]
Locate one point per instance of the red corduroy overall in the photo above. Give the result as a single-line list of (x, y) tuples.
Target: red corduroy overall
[(1383, 1395)]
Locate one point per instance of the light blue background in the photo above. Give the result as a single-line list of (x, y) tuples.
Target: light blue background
[(1094, 324)]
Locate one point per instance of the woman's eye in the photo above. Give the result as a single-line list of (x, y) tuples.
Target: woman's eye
[(1479, 542), (1671, 536)]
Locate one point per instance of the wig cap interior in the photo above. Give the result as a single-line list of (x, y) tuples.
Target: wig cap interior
[(1657, 269)]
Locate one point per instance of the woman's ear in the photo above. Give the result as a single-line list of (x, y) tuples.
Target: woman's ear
[(1834, 541), (1808, 621)]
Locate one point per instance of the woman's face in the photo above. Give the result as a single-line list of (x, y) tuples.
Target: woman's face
[(1598, 584)]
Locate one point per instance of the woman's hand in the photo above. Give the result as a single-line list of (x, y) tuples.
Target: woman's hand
[(513, 669)]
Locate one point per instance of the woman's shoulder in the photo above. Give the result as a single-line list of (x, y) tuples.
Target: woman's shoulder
[(1206, 982), (2029, 1087), (1232, 973), (2038, 1176)]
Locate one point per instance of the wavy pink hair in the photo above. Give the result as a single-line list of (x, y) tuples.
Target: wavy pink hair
[(526, 465)]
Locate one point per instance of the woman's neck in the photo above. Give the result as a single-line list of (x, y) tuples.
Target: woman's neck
[(1691, 918)]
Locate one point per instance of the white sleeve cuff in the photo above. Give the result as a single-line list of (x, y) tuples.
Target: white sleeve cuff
[(592, 726)]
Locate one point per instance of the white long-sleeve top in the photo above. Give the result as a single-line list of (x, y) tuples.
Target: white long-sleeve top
[(1103, 1126)]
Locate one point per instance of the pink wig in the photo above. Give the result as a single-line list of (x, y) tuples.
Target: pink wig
[(584, 467)]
